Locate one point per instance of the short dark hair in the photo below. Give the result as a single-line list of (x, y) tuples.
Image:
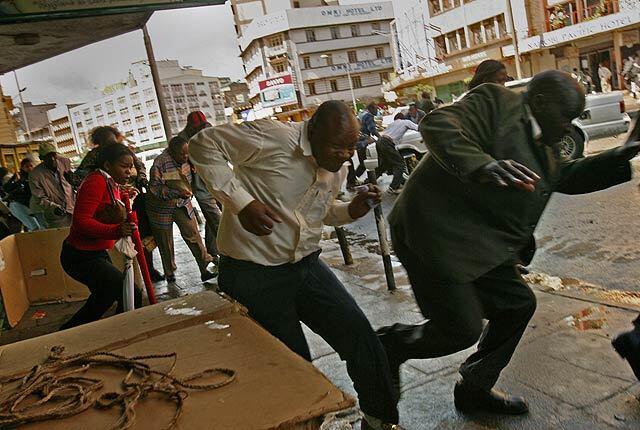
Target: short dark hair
[(399, 115), (177, 142), (485, 71), (100, 134), (333, 117), (558, 87), (25, 161), (372, 106), (112, 153), (426, 95)]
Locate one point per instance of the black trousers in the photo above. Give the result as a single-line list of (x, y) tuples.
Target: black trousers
[(280, 297), (105, 282), (455, 313), (390, 160), (354, 173)]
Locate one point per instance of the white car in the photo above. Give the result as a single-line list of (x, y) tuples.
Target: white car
[(604, 115)]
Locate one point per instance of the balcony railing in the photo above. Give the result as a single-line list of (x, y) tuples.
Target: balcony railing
[(573, 13)]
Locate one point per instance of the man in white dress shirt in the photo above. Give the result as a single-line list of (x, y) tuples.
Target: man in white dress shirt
[(276, 200)]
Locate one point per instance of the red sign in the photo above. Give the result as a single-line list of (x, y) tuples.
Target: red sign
[(274, 82)]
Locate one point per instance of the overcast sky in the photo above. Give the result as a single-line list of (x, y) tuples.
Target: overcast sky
[(202, 37)]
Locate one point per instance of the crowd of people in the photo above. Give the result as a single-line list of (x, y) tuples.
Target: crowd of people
[(462, 224)]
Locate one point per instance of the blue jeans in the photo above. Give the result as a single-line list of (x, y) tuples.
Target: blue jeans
[(23, 213), (280, 297)]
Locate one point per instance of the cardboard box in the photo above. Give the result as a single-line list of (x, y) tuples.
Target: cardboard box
[(30, 272), (274, 388)]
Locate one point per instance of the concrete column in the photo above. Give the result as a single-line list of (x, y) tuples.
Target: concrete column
[(617, 57)]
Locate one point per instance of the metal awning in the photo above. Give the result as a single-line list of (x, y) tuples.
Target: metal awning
[(27, 38)]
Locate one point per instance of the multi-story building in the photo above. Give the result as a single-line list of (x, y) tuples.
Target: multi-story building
[(132, 106), (187, 89), (440, 42), (245, 11), (300, 57), (61, 130), (37, 118), (568, 34)]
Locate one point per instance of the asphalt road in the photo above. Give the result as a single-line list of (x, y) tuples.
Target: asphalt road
[(595, 237)]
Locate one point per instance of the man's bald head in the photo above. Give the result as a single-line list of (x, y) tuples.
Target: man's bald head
[(333, 133), (555, 99)]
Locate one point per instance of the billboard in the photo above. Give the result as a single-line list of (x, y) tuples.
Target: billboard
[(277, 91)]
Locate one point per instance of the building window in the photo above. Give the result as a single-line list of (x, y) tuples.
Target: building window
[(275, 42), (353, 56), (127, 123), (79, 125), (97, 109), (157, 128), (379, 52), (355, 30), (502, 26), (335, 33), (489, 30), (191, 88), (452, 38), (279, 67), (329, 59), (134, 96), (148, 92), (124, 112), (434, 7), (357, 81), (137, 107), (441, 47), (142, 131), (150, 104), (312, 89), (109, 105), (153, 116), (307, 62), (334, 85), (375, 26), (311, 35), (86, 112), (122, 101), (296, 5), (475, 32), (384, 77)]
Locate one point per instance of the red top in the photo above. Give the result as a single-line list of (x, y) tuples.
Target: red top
[(87, 233)]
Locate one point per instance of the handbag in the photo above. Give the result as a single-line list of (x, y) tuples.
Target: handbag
[(114, 213)]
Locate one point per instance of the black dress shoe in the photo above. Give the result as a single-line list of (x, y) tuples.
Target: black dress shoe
[(156, 276), (471, 399), (628, 346), (207, 276), (170, 278)]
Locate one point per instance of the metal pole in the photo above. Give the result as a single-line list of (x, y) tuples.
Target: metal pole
[(382, 237), (344, 246), (24, 113), (353, 94), (514, 40), (156, 83)]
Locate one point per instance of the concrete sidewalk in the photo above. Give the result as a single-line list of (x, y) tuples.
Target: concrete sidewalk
[(571, 376)]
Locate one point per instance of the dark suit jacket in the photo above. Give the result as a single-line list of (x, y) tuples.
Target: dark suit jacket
[(462, 229)]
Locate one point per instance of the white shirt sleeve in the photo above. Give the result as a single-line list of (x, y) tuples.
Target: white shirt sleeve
[(214, 148)]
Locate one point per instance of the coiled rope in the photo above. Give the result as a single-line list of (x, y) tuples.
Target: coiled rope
[(59, 388)]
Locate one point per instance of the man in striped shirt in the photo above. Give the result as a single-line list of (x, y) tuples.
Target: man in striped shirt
[(169, 201)]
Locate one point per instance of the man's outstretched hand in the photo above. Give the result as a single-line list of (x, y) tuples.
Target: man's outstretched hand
[(507, 173), (258, 218), (632, 146)]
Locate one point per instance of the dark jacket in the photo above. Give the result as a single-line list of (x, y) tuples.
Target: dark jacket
[(369, 125), (18, 190), (425, 105), (463, 229)]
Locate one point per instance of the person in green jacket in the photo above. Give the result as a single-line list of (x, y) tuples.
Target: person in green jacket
[(467, 214)]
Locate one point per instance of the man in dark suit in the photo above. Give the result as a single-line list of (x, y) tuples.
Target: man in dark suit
[(468, 212)]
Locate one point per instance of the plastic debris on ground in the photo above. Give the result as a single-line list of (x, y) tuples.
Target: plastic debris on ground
[(544, 282), (38, 315), (592, 318), (342, 420)]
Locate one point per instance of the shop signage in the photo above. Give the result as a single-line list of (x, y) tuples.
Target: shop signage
[(630, 38), (363, 65), (578, 31), (277, 91), (351, 11), (474, 59)]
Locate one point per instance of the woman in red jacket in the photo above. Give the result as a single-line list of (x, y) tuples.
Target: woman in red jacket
[(99, 219)]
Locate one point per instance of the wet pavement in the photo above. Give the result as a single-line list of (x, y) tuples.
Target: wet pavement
[(593, 237)]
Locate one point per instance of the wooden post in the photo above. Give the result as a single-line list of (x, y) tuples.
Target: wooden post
[(382, 237), (156, 83), (344, 246)]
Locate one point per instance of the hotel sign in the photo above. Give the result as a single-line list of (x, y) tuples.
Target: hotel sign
[(361, 66), (351, 11), (578, 31)]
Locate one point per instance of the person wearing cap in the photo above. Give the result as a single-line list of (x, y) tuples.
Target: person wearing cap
[(52, 196), (197, 121)]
